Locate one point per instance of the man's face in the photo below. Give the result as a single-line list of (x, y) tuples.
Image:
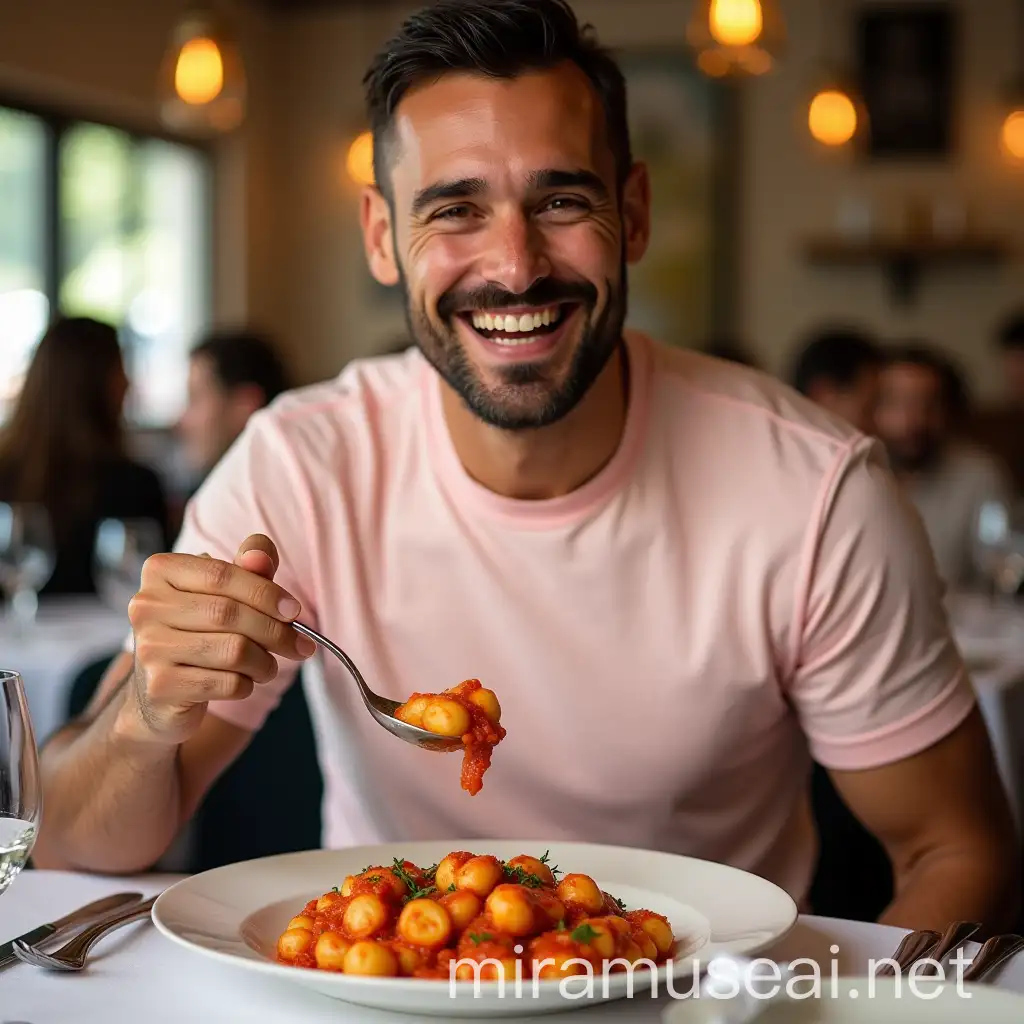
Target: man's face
[(509, 238), (912, 418), (858, 403), (213, 417)]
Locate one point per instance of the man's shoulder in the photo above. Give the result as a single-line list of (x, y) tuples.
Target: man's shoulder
[(367, 391), (751, 399)]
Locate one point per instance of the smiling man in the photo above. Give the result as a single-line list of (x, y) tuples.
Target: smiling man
[(681, 578)]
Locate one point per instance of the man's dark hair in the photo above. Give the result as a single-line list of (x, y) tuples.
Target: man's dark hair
[(838, 355), (499, 39), (955, 391), (1010, 336), (241, 358)]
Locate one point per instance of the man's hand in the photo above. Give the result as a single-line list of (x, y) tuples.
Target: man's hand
[(205, 630)]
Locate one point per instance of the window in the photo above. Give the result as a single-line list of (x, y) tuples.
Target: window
[(96, 221)]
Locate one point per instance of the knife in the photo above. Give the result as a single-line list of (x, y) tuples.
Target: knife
[(84, 915)]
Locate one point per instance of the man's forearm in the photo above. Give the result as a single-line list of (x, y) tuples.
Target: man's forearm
[(958, 885), (112, 801)]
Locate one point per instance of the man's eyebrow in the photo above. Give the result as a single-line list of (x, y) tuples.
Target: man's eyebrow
[(462, 188), (553, 178)]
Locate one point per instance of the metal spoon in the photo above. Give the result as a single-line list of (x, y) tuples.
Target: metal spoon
[(383, 709)]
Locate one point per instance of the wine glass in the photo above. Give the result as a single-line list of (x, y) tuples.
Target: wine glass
[(21, 795), (121, 549), (999, 547), (27, 557)]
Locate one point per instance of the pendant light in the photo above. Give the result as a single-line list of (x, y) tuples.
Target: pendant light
[(1011, 134), (835, 114), (736, 37), (359, 161), (202, 81)]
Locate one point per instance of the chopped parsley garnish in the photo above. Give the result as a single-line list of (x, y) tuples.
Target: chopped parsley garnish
[(334, 888), (523, 877), (553, 868), (561, 925), (584, 933), (451, 888), (619, 903), (481, 937), (415, 890), (373, 878)]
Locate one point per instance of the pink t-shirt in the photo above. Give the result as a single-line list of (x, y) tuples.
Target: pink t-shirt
[(740, 588)]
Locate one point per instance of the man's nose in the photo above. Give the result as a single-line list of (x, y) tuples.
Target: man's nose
[(514, 257)]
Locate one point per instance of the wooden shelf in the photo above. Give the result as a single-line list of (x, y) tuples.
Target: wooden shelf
[(904, 260)]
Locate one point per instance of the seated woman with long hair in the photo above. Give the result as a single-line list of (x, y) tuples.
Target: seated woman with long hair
[(65, 449)]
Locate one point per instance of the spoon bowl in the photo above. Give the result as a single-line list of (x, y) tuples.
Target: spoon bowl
[(382, 708)]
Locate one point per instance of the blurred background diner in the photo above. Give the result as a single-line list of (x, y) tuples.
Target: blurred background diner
[(179, 244)]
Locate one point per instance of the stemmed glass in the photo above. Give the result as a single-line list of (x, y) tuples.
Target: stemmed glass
[(999, 548), (27, 557), (121, 549), (21, 796)]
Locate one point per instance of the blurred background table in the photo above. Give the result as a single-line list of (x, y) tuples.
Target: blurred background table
[(68, 635), (991, 638)]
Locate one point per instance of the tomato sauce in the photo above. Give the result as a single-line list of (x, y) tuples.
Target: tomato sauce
[(615, 934)]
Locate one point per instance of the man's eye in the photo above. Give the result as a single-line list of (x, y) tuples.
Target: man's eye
[(567, 203), (451, 213)]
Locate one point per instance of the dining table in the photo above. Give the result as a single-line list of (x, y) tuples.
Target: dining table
[(137, 974)]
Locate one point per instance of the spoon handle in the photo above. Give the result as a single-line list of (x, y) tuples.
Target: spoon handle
[(339, 654)]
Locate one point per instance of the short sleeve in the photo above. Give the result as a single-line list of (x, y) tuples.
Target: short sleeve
[(255, 488), (879, 676)]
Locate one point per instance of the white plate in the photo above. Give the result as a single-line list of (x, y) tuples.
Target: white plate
[(881, 1001), (235, 914)]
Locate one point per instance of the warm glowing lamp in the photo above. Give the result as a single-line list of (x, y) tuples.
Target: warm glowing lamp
[(360, 159), (199, 72), (735, 22), (736, 37), (1012, 134), (832, 117), (202, 82)]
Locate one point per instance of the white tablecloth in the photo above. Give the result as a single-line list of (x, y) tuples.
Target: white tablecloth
[(138, 975), (68, 634), (991, 638)]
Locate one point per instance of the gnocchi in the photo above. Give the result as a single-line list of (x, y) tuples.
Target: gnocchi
[(472, 915), (467, 715)]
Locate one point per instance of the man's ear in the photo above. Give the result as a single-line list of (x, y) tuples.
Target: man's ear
[(636, 212), (378, 236)]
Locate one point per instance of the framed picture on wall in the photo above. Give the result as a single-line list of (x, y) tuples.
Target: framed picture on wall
[(683, 126), (906, 62)]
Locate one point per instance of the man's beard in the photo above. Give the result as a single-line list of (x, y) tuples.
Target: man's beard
[(524, 400)]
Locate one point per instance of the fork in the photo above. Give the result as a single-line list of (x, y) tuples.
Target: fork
[(995, 952), (952, 939), (71, 956), (912, 948)]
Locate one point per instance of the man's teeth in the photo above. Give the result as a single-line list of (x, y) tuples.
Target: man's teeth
[(513, 323)]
